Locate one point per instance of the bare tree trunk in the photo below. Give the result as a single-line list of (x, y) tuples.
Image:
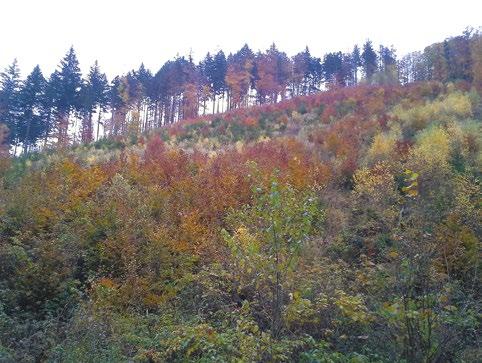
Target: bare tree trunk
[(63, 127), (27, 135), (99, 121)]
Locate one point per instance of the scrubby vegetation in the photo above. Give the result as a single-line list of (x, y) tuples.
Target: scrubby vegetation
[(338, 227)]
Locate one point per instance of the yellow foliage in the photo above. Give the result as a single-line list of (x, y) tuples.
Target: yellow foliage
[(433, 147), (372, 180), (382, 147), (352, 307), (455, 105)]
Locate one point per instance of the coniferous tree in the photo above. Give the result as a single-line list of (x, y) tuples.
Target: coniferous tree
[(369, 60), (316, 75), (144, 78), (387, 58), (356, 62), (49, 102), (388, 71), (94, 97), (332, 68), (204, 84), (283, 70), (219, 76), (68, 82), (118, 106), (9, 102), (33, 115), (301, 73)]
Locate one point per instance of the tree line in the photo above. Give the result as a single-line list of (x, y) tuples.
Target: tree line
[(67, 107)]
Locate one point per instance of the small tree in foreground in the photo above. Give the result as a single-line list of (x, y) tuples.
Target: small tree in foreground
[(267, 241)]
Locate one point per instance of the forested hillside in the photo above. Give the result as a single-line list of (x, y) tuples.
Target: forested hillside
[(331, 214), (68, 108)]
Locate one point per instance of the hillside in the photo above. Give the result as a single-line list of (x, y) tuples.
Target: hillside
[(341, 226)]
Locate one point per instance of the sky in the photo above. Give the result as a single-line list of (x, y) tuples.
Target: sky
[(121, 34)]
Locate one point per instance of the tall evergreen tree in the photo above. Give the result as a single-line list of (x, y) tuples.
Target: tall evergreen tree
[(219, 75), (369, 60), (33, 115), (332, 68), (357, 62), (301, 73), (49, 102), (316, 74), (68, 82), (9, 101), (94, 96), (387, 58)]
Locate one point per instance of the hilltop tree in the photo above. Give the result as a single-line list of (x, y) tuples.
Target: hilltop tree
[(218, 76), (273, 71), (388, 73), (316, 75), (332, 68), (33, 116), (145, 79), (9, 105), (67, 84), (239, 76), (205, 85), (94, 97), (301, 76), (49, 100), (118, 105), (357, 62), (369, 60)]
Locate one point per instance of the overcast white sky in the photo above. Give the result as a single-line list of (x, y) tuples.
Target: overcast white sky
[(123, 33)]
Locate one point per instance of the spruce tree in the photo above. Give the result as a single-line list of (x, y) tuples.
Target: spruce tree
[(219, 75), (94, 98), (369, 60), (9, 102), (32, 120), (68, 84), (357, 62)]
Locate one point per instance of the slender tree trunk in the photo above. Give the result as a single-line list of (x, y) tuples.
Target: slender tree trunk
[(99, 121), (27, 136), (63, 126), (155, 113)]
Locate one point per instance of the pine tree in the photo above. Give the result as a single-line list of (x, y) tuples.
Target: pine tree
[(33, 116), (94, 96), (68, 84), (389, 73), (369, 60), (49, 101), (219, 75), (316, 74), (332, 68), (9, 102), (357, 62)]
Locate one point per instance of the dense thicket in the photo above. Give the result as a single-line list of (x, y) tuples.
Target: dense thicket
[(61, 110), (337, 227)]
